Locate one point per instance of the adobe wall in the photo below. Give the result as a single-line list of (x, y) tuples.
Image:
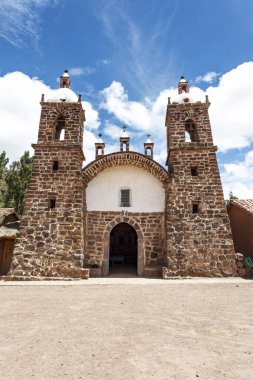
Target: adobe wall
[(242, 226), (146, 191), (151, 237)]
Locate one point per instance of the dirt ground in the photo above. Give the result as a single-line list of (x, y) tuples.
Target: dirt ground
[(127, 330)]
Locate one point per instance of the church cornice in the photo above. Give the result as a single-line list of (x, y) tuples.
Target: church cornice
[(124, 159), (55, 146)]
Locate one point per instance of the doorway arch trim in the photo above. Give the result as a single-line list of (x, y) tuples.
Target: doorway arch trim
[(106, 243)]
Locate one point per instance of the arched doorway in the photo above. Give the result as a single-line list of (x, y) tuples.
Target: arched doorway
[(123, 250)]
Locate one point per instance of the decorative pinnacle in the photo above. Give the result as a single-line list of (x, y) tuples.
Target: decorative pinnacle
[(100, 135), (124, 128), (66, 71), (148, 135)]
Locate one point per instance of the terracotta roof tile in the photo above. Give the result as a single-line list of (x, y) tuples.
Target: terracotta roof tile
[(8, 233), (246, 204), (5, 212)]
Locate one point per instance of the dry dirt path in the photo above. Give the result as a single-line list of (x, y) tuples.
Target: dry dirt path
[(127, 329)]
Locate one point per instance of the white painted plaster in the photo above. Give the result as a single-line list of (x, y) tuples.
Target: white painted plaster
[(103, 192)]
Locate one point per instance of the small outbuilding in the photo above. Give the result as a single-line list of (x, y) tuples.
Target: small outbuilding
[(240, 213), (9, 224)]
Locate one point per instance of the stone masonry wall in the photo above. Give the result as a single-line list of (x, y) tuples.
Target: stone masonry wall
[(177, 115), (51, 240), (199, 242), (152, 229)]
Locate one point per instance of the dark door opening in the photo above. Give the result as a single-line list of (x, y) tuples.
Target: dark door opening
[(123, 250)]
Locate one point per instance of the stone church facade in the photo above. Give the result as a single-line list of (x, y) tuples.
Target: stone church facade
[(123, 209)]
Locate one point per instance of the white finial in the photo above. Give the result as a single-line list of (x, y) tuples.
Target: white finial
[(124, 133), (100, 140), (66, 74), (182, 79)]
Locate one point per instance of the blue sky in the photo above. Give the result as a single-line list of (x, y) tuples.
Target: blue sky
[(125, 58)]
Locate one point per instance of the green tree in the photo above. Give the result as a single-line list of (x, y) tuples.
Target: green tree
[(3, 170), (231, 198), (17, 180)]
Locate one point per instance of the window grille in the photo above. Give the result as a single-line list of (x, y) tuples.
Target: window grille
[(125, 198)]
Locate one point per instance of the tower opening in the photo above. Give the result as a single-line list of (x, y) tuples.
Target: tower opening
[(60, 129), (149, 152), (191, 133), (123, 250)]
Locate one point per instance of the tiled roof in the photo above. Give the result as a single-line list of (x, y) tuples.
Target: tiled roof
[(5, 212), (246, 204), (8, 233)]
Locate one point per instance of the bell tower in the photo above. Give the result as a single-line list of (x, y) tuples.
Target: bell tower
[(51, 233), (199, 240)]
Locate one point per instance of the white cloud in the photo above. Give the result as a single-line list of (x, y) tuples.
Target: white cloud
[(103, 62), (89, 140), (142, 51), (77, 71), (231, 108), (19, 19), (237, 177), (230, 111), (208, 77), (112, 130), (91, 115), (143, 117), (20, 109), (230, 114), (115, 101), (19, 112)]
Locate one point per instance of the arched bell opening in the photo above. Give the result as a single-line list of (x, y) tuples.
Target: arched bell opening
[(191, 133), (60, 129)]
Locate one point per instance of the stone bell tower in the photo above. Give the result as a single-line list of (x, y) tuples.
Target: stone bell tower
[(51, 233), (199, 240)]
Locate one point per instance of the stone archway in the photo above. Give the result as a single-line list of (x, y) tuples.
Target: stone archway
[(106, 244), (123, 250)]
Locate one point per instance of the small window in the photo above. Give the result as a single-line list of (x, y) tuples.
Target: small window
[(195, 208), (149, 152), (55, 166), (125, 198), (194, 171), (52, 203)]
